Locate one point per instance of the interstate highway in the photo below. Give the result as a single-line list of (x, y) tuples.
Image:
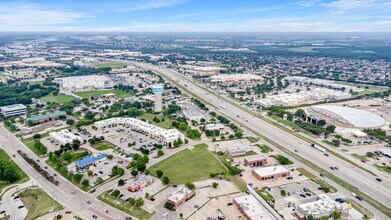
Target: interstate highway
[(359, 178)]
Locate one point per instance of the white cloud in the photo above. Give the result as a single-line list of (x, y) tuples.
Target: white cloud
[(19, 16), (150, 4)]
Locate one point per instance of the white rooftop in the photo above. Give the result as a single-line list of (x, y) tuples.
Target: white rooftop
[(269, 171), (13, 107), (322, 206), (356, 117), (254, 209), (179, 194)]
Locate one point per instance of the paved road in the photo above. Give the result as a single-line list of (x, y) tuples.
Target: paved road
[(77, 203), (11, 205), (353, 175)]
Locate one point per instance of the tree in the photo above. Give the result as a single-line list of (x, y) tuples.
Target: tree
[(282, 192), (215, 185), (134, 172), (190, 185), (99, 180), (121, 182), (159, 173), (139, 202), (115, 193), (85, 183), (160, 153), (238, 134), (321, 123), (300, 113), (77, 177), (90, 173), (330, 129), (310, 217), (141, 167), (70, 122), (336, 215), (165, 180), (36, 136), (131, 201)]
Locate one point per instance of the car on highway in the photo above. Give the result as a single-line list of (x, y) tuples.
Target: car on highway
[(16, 197), (94, 216), (326, 154), (379, 180), (2, 212), (359, 198), (321, 175), (332, 168), (68, 212), (21, 207), (13, 155), (229, 204), (92, 191), (296, 151), (89, 202), (363, 161)]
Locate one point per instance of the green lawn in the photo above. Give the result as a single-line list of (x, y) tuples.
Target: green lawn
[(88, 94), (149, 117), (188, 165), (30, 145), (361, 157), (112, 65), (252, 139), (38, 203), (120, 204), (22, 176), (265, 148), (60, 99), (103, 145)]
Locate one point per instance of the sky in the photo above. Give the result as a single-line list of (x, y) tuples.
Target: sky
[(196, 15)]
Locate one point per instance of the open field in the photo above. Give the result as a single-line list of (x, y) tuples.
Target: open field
[(112, 65), (124, 206), (149, 117), (188, 165), (38, 203), (308, 49), (30, 145), (88, 94), (22, 176), (60, 99), (104, 145)]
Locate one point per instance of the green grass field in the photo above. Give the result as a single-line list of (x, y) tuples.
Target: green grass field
[(149, 117), (308, 49), (38, 203), (30, 145), (188, 165), (120, 204), (88, 94), (104, 145), (112, 65), (60, 99), (22, 176)]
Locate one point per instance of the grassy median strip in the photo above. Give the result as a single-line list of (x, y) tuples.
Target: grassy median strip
[(124, 206), (381, 207)]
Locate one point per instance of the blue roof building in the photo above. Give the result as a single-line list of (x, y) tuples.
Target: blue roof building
[(89, 160)]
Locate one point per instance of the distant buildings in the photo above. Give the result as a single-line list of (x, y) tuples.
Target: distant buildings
[(252, 208), (139, 183), (239, 150), (64, 137), (180, 196), (257, 160), (13, 110), (235, 78), (324, 206), (272, 172), (158, 91), (166, 136)]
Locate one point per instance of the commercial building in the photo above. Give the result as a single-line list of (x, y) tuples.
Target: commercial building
[(84, 83), (192, 113), (235, 78), (239, 150), (139, 183), (303, 97), (272, 172), (252, 208), (46, 117), (386, 151), (180, 196), (257, 160), (166, 136), (64, 137), (212, 127), (158, 91), (346, 117), (13, 110), (88, 161), (324, 206)]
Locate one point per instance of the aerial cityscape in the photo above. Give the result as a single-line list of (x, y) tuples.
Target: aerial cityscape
[(185, 109)]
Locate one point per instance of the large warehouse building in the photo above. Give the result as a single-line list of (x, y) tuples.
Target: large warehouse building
[(346, 117)]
